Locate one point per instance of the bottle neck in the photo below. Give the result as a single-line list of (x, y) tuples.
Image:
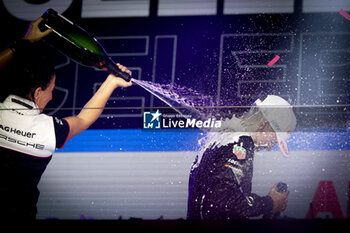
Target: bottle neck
[(113, 68)]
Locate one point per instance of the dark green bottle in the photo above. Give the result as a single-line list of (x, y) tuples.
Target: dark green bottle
[(77, 43)]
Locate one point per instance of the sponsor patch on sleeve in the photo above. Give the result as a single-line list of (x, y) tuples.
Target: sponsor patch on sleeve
[(239, 151)]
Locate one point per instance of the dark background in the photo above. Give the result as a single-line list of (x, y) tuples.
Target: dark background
[(220, 55)]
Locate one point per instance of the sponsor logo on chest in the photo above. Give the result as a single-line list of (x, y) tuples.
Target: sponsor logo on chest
[(239, 151)]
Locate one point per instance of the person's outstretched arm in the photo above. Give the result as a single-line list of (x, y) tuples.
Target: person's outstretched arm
[(33, 34), (93, 109), (5, 57)]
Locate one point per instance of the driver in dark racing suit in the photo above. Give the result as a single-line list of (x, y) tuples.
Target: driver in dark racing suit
[(220, 183)]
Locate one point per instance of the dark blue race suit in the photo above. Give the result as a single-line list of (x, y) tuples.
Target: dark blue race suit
[(220, 183)]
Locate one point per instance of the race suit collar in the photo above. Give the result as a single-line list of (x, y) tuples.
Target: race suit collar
[(21, 105)]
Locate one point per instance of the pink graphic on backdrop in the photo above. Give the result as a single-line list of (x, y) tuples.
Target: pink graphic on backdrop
[(345, 14), (274, 60)]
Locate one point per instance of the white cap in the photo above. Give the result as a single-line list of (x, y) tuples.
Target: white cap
[(279, 113)]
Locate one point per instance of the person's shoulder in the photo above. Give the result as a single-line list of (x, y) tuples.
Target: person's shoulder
[(43, 117), (241, 138), (247, 140), (51, 119)]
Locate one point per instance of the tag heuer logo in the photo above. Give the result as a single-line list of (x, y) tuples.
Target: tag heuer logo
[(151, 120), (239, 151)]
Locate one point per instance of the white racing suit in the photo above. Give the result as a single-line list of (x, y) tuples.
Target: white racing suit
[(27, 141)]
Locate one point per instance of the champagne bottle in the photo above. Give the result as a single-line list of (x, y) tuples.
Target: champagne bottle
[(78, 44)]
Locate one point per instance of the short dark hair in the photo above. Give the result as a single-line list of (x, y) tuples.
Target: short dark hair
[(29, 69)]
